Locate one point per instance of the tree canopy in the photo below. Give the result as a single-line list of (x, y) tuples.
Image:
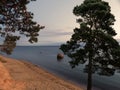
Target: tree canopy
[(92, 44), (15, 21)]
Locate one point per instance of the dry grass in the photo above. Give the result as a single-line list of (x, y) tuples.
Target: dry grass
[(20, 75), (2, 60)]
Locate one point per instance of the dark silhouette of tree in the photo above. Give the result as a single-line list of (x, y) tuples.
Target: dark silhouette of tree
[(93, 44), (15, 21)]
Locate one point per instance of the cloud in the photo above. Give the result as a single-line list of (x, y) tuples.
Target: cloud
[(52, 33), (48, 37)]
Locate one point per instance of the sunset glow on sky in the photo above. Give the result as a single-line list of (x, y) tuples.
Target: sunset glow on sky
[(59, 21)]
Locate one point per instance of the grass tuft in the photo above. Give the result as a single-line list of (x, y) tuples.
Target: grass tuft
[(2, 60)]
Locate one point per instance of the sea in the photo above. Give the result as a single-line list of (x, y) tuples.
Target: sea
[(46, 58)]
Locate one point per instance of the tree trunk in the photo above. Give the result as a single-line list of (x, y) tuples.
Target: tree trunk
[(89, 82)]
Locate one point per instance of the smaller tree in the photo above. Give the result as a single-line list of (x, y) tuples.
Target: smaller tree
[(14, 19), (93, 44)]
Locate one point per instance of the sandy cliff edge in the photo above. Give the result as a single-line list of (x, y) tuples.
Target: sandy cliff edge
[(22, 75)]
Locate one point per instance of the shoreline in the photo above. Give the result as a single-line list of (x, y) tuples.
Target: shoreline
[(23, 75)]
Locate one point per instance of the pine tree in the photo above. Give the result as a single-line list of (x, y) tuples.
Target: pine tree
[(14, 18), (92, 44)]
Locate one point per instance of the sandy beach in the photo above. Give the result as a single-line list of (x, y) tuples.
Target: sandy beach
[(22, 75)]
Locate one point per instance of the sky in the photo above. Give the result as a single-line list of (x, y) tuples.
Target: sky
[(59, 21)]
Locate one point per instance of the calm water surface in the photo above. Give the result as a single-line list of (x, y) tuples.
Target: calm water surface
[(45, 57)]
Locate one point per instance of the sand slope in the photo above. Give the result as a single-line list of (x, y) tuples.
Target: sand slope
[(21, 75)]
